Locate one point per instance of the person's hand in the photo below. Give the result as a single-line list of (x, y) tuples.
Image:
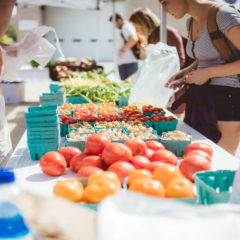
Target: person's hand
[(175, 77), (11, 50), (198, 77), (121, 51)]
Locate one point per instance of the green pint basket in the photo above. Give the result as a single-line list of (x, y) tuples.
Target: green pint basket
[(214, 186)]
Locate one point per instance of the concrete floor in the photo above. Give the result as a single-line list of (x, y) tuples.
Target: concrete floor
[(36, 83)]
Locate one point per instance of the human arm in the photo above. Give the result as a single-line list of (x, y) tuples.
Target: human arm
[(174, 39), (128, 45), (181, 74), (6, 7)]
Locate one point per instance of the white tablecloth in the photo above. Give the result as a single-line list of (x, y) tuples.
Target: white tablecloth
[(30, 177)]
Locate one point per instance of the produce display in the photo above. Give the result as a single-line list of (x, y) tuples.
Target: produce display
[(176, 135), (69, 67), (104, 124), (109, 164), (112, 147), (104, 92)]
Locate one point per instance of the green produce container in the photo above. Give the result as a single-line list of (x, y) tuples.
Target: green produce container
[(214, 186), (31, 130), (42, 124), (43, 110), (123, 101), (76, 100), (64, 129), (91, 206), (55, 88), (43, 136), (37, 150), (162, 126), (149, 114), (78, 144), (149, 123), (176, 146)]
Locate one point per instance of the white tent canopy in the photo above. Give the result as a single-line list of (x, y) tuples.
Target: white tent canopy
[(77, 4)]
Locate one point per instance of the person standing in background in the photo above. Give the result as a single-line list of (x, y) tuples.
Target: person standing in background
[(127, 62), (6, 7), (148, 24)]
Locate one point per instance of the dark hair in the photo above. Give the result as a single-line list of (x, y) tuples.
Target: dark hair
[(116, 16)]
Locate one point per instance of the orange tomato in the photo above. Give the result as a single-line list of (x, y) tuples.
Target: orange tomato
[(166, 173), (111, 176), (179, 188), (70, 189), (99, 189), (139, 173), (148, 186)]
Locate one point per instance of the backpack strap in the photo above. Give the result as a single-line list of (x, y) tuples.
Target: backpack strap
[(217, 37)]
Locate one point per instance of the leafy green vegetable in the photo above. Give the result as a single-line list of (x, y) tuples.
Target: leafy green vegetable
[(107, 92)]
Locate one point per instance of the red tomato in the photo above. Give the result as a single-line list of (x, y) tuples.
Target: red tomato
[(69, 153), (87, 171), (155, 145), (193, 164), (116, 152), (76, 161), (139, 162), (53, 164), (137, 146), (96, 143), (122, 169), (199, 146), (149, 153), (199, 153), (93, 160), (153, 165), (164, 156)]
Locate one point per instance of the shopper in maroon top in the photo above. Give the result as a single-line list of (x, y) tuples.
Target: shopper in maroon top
[(148, 24)]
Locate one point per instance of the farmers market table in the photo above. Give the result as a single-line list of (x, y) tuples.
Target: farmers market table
[(30, 177)]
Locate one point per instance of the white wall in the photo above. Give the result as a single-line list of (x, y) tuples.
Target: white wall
[(86, 26)]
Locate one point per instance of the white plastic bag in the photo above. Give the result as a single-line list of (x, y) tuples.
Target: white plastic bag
[(32, 47), (131, 216), (161, 63)]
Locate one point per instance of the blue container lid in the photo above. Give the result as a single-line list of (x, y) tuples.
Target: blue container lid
[(12, 225), (6, 176)]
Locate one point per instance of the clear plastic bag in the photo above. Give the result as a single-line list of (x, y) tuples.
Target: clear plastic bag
[(32, 47), (161, 63), (137, 216)]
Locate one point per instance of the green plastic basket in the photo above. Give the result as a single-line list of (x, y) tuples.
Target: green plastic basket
[(149, 123), (40, 109), (167, 126), (76, 100), (123, 101), (64, 129), (176, 146), (43, 129), (149, 114), (78, 144), (214, 186), (42, 124), (38, 150), (91, 206), (55, 88)]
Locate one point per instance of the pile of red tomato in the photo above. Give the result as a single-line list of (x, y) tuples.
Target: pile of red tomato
[(100, 154)]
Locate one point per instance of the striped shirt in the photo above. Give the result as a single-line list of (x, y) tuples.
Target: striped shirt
[(203, 49)]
